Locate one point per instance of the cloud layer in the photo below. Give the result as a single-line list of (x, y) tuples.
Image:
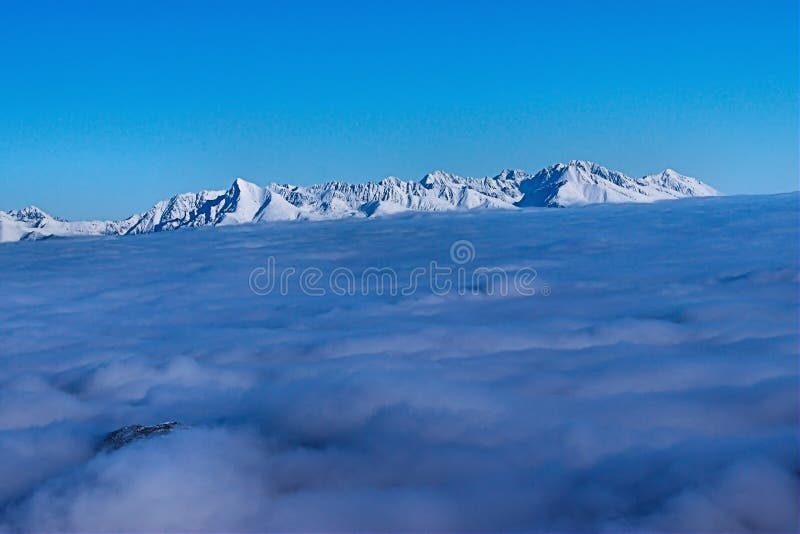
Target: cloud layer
[(655, 388)]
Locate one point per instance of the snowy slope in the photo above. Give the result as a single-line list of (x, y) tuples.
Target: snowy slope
[(32, 223), (576, 183)]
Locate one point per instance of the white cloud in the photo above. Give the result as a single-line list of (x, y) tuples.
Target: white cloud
[(654, 389)]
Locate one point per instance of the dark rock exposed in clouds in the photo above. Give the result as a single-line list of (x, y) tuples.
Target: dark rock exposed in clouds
[(127, 434)]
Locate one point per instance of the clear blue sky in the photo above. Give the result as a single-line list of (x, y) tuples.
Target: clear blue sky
[(106, 107)]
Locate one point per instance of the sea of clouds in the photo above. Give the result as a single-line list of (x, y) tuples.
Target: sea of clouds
[(649, 384)]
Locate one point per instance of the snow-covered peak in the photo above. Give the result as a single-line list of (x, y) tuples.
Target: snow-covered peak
[(584, 164), (516, 175), (677, 185), (246, 191), (581, 182), (391, 180), (575, 183), (439, 177), (242, 202), (583, 169), (240, 184), (30, 214)]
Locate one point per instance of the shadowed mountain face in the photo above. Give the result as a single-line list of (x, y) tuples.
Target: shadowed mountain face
[(576, 183)]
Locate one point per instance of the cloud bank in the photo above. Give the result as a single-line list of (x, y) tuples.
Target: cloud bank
[(655, 388)]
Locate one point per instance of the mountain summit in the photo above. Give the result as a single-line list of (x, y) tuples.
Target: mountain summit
[(576, 183)]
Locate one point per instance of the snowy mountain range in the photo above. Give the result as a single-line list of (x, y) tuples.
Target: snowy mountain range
[(576, 183)]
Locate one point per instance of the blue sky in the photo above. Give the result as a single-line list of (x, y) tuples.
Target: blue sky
[(106, 107)]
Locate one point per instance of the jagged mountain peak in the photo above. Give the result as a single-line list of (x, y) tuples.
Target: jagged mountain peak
[(677, 185), (438, 176), (30, 213), (582, 167), (582, 182), (241, 183), (666, 175), (583, 164), (439, 173), (575, 183), (512, 174)]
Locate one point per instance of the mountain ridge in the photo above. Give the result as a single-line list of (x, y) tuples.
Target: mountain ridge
[(575, 183)]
